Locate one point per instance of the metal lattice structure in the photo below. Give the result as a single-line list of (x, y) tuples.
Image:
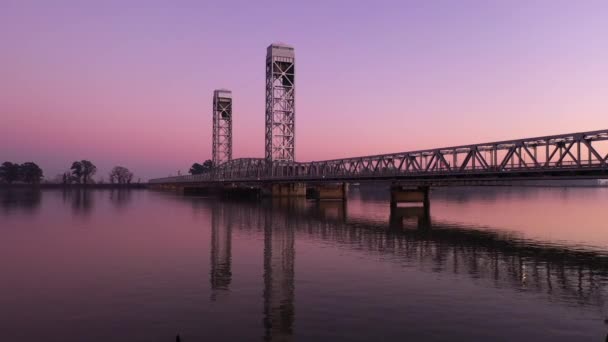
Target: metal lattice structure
[(280, 103), (565, 156), (222, 126)]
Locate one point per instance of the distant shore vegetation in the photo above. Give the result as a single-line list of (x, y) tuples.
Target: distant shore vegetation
[(80, 173), (28, 173), (199, 169)]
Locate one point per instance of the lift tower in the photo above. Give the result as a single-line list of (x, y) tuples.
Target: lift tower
[(222, 126), (280, 103)]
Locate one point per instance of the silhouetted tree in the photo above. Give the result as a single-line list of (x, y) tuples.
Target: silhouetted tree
[(30, 173), (69, 178), (9, 172), (120, 175), (77, 171), (197, 169), (83, 171), (88, 170)]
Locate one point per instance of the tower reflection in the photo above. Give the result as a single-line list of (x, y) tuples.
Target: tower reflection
[(279, 269), (221, 250)]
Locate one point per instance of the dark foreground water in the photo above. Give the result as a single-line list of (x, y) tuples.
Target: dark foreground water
[(489, 264)]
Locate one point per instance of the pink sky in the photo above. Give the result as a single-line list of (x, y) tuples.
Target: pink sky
[(130, 82)]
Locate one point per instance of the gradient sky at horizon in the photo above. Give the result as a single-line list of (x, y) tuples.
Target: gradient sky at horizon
[(130, 82)]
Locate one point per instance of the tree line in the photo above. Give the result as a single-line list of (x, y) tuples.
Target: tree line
[(27, 173), (199, 169), (80, 172)]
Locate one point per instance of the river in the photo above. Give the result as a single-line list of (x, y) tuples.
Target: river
[(487, 263)]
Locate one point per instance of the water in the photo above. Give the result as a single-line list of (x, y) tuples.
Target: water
[(500, 264)]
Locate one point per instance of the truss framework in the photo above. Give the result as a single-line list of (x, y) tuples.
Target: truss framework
[(574, 155), (222, 126), (280, 104)]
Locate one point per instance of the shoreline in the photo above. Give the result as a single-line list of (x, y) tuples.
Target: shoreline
[(74, 186), (145, 186)]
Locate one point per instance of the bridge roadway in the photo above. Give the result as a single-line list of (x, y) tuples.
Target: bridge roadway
[(565, 156)]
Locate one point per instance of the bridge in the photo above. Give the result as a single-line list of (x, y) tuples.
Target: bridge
[(563, 156)]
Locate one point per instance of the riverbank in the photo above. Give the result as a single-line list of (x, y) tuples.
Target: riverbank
[(74, 186)]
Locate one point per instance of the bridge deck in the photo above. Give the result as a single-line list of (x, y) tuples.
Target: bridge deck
[(565, 156)]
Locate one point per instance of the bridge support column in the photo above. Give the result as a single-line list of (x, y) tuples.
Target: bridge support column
[(401, 194), (171, 187), (409, 195), (285, 190), (328, 191), (242, 191), (199, 190)]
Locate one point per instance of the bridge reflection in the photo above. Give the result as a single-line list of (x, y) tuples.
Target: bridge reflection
[(489, 257)]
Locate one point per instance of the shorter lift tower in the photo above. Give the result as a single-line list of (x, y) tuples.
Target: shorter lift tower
[(280, 103), (222, 126)]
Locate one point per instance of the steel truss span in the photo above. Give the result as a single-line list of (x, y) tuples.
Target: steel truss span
[(565, 156)]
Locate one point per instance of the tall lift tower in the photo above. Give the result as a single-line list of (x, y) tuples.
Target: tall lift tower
[(222, 126), (280, 103)]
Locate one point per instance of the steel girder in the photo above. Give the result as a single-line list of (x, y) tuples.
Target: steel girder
[(576, 154)]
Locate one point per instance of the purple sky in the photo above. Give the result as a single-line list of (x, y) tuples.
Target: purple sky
[(130, 82)]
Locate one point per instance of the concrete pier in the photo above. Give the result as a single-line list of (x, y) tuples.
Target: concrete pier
[(168, 187), (284, 190), (419, 211), (402, 194), (337, 191)]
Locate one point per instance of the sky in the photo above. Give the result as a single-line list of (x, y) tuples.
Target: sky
[(130, 83)]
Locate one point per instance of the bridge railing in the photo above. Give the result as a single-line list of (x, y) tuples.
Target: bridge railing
[(566, 152)]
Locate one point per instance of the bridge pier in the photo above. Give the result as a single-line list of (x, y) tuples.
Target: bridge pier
[(402, 194), (238, 191), (284, 190), (174, 188), (187, 189), (328, 191), (199, 190)]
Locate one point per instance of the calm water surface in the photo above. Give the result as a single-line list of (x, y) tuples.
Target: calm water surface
[(500, 264)]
